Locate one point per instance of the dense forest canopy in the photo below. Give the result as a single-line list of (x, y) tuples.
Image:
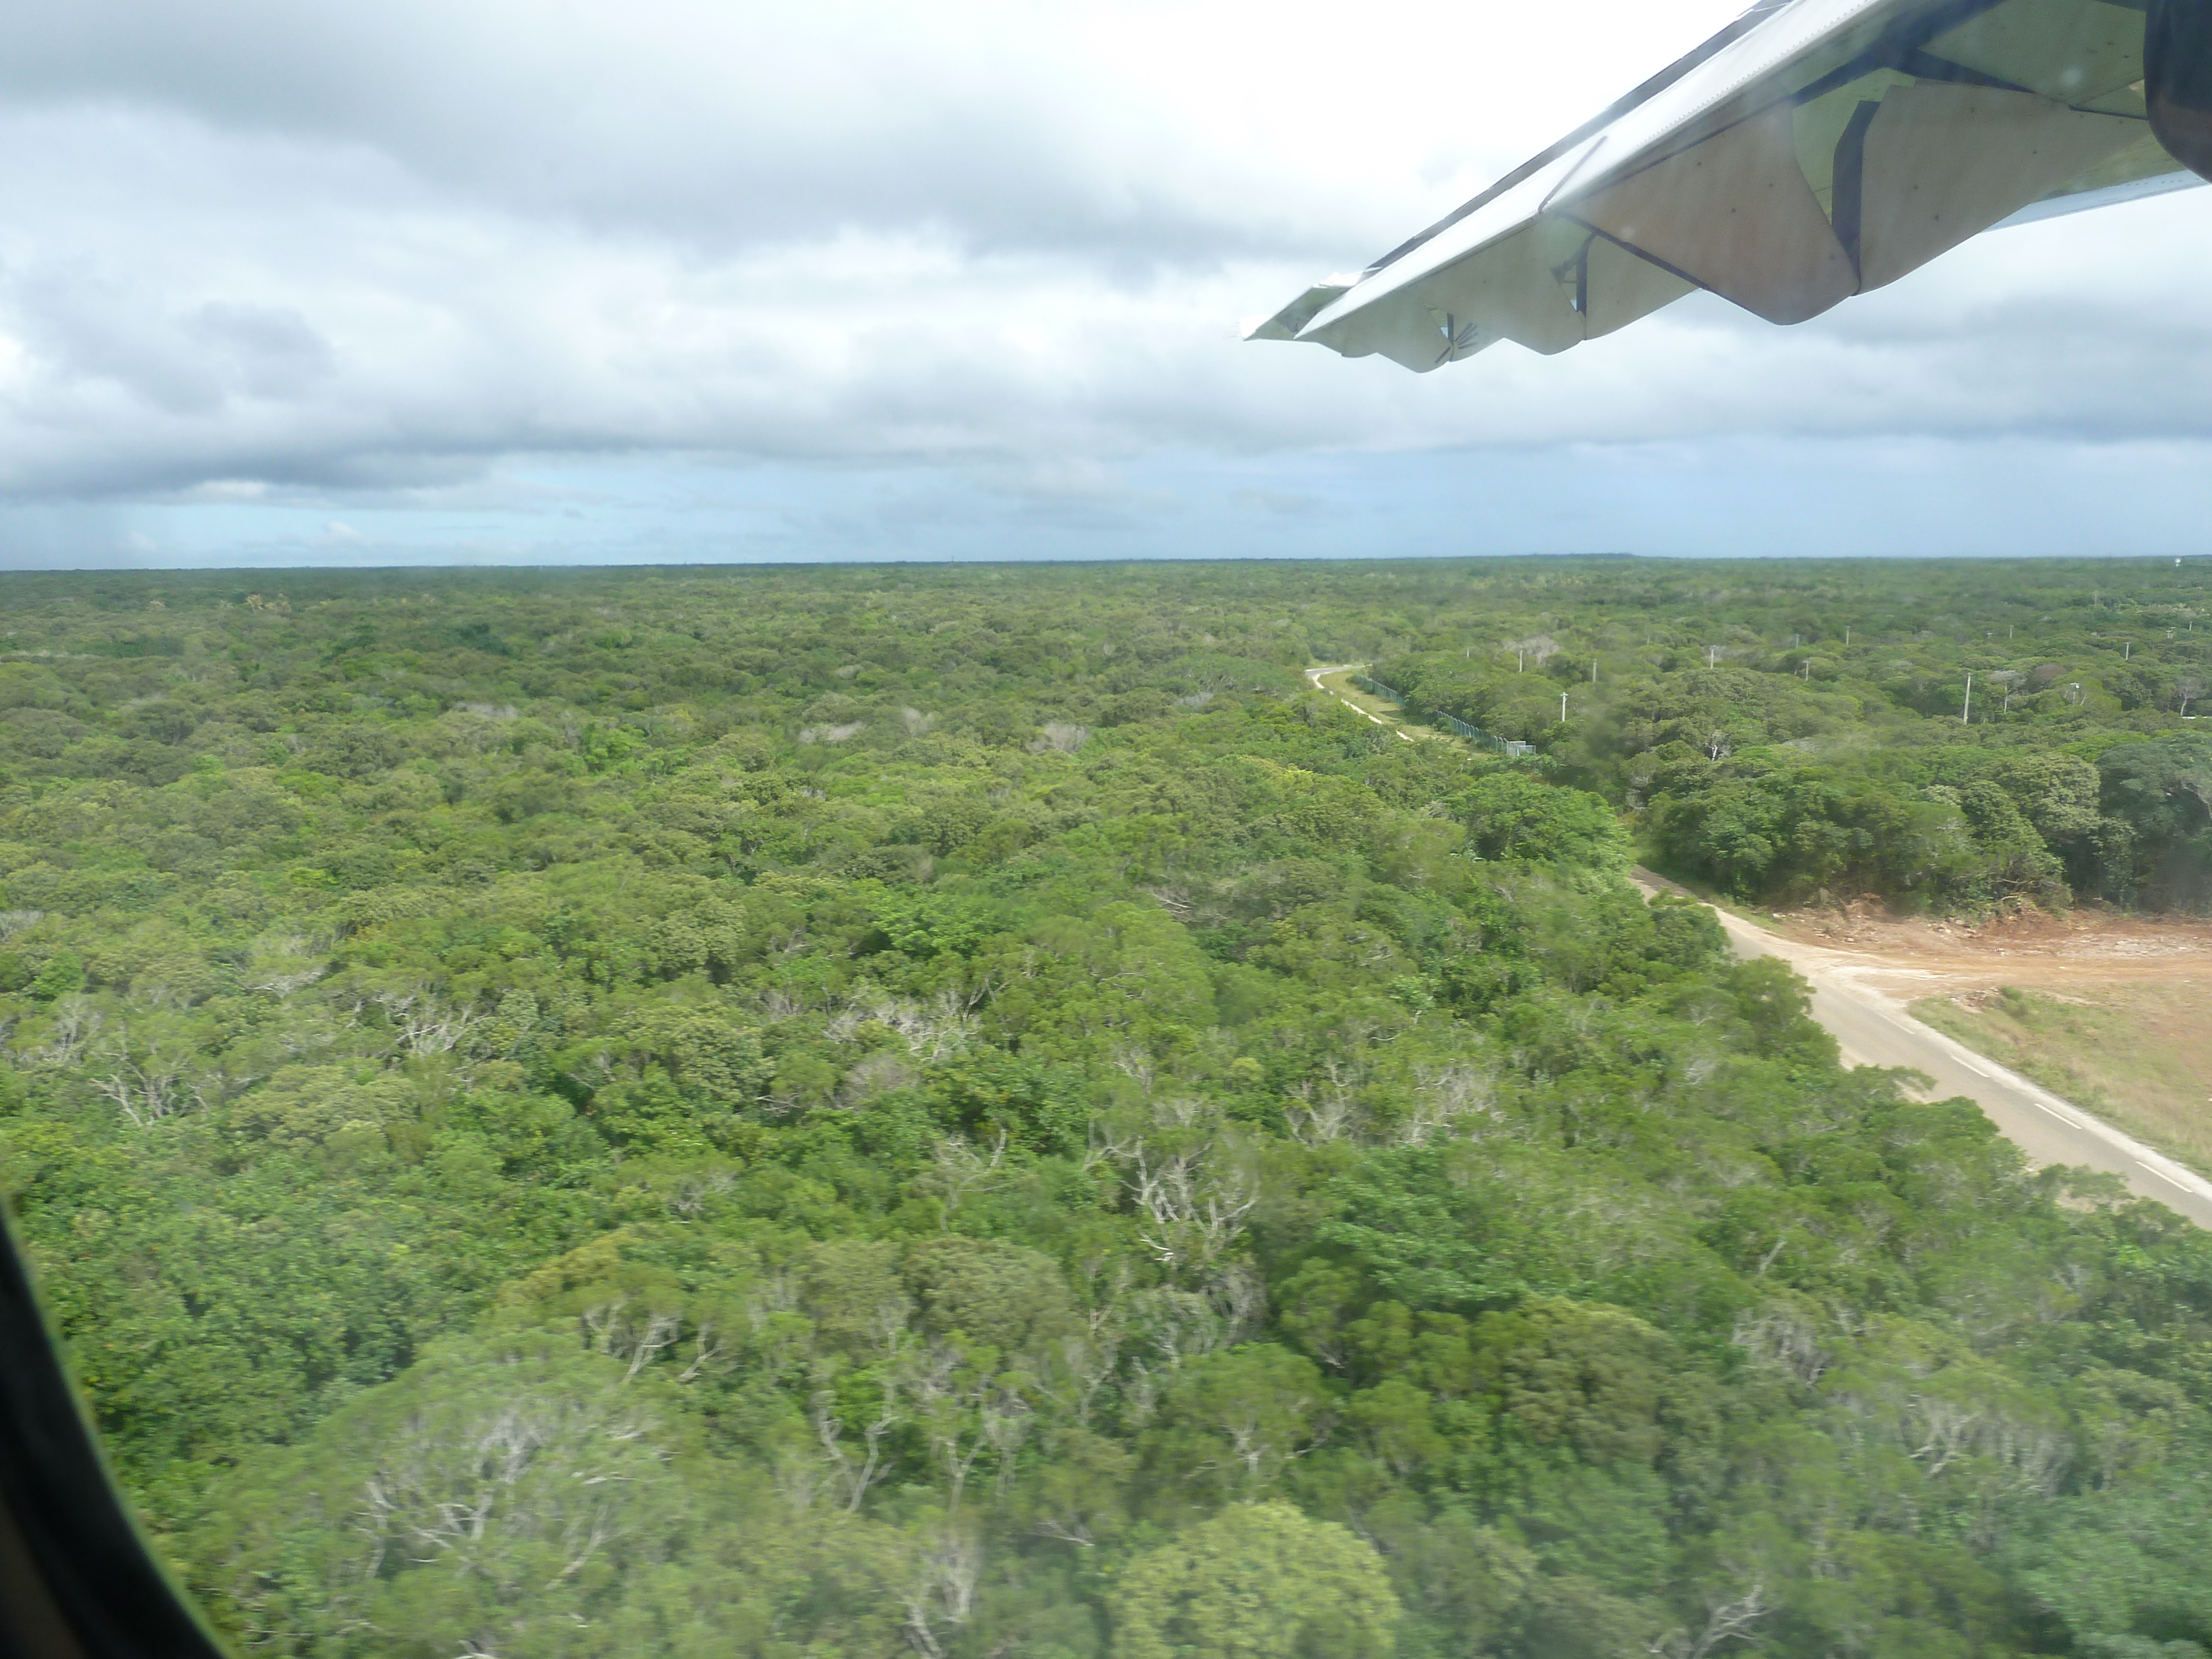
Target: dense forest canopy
[(1947, 736), (970, 1112)]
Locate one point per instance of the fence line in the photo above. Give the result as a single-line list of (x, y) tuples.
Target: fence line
[(1511, 746)]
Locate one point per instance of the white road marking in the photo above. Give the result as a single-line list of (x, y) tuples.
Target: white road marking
[(1314, 674)]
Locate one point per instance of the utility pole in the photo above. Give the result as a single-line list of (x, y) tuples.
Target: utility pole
[(1968, 708), (1847, 632), (1563, 709), (1593, 670)]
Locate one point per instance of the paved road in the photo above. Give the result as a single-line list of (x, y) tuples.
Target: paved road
[(1874, 1030)]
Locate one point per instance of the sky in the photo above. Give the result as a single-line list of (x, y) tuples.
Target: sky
[(669, 282)]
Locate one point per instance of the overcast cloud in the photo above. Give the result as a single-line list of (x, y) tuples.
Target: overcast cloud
[(681, 281)]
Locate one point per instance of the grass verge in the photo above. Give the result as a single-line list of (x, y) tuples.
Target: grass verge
[(1342, 684), (2138, 1055)]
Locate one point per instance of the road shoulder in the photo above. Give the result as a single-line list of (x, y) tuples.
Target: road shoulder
[(1873, 1028)]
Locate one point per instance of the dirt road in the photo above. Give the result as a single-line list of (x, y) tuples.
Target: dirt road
[(2077, 951), (1332, 680), (1874, 1030)]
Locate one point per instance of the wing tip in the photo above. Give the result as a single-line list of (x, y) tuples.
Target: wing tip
[(1291, 321)]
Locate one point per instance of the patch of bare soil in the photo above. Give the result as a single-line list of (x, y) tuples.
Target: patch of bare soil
[(2028, 948), (2112, 1011)]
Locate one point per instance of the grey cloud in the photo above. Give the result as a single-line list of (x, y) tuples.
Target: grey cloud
[(270, 350), (713, 125), (371, 255), (86, 329)]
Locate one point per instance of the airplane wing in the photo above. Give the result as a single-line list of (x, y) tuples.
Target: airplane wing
[(1812, 150)]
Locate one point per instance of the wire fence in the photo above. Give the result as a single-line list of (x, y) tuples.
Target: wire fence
[(1511, 747)]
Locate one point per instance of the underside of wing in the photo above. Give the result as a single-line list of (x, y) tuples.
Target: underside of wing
[(1814, 149)]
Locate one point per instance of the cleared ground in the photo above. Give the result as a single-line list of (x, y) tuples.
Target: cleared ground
[(1855, 996), (2100, 1024), (2114, 1012)]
